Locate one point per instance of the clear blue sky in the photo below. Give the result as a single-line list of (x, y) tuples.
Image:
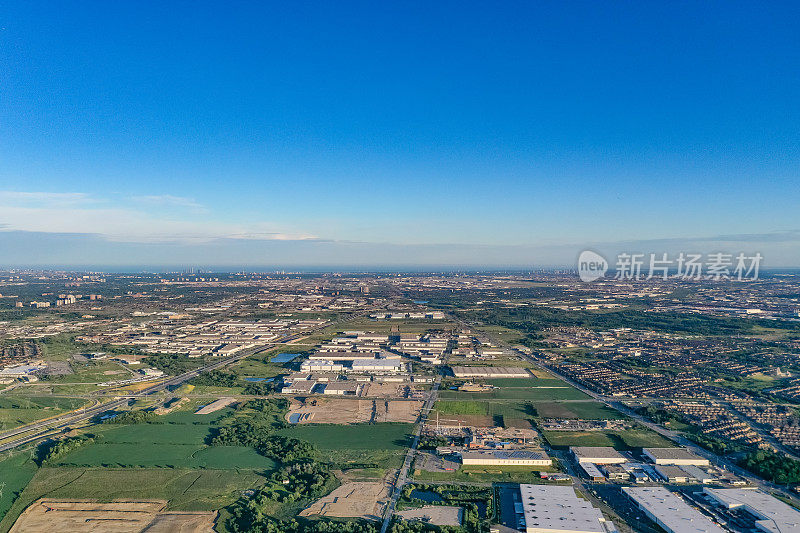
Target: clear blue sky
[(514, 124)]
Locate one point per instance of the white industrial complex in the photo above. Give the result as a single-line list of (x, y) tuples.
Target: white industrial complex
[(674, 456), (670, 511), (771, 515), (558, 509)]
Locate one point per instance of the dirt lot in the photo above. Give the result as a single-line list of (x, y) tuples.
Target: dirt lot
[(355, 411), (352, 500), (464, 420), (383, 390), (438, 515), (130, 516)]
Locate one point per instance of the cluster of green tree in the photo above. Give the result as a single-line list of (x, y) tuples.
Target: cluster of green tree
[(216, 378), (715, 444), (254, 424), (535, 319), (303, 480), (431, 443), (470, 498), (173, 364), (260, 388), (134, 417), (661, 416), (51, 450), (772, 466), (247, 520)]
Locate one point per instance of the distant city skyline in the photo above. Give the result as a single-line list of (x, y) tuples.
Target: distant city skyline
[(396, 135)]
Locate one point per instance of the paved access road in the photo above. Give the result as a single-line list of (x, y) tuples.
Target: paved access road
[(46, 428)]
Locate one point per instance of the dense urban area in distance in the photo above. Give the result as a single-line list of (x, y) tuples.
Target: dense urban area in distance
[(400, 402)]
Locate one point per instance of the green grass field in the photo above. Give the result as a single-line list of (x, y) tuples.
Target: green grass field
[(588, 410), (17, 411), (526, 382), (15, 472), (621, 440), (381, 445), (148, 455), (180, 442), (541, 393), (386, 436)]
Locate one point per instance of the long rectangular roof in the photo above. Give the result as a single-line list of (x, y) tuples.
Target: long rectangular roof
[(559, 509), (773, 515), (672, 511)]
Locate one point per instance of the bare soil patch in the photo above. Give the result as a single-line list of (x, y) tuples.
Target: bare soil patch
[(352, 500), (126, 516)]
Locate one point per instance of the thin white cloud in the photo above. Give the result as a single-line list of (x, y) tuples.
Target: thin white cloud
[(169, 200), (81, 214), (43, 199)]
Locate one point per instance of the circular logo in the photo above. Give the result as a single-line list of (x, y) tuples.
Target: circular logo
[(591, 266)]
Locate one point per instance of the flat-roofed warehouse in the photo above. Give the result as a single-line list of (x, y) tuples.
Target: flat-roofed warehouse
[(505, 457), (490, 372), (599, 455), (772, 515), (558, 509), (301, 386), (670, 511), (674, 456)]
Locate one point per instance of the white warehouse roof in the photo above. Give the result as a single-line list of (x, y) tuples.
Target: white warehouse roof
[(558, 509), (670, 511), (773, 516)]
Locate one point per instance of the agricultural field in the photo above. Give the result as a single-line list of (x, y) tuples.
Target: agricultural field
[(186, 490), (588, 410), (16, 471), (382, 445), (561, 391), (17, 411), (621, 440), (178, 443)]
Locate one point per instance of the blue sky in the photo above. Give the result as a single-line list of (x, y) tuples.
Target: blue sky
[(515, 133)]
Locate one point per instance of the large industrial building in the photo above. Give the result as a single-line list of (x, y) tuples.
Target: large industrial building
[(490, 372), (558, 509), (674, 456), (771, 515), (599, 455), (670, 511), (505, 457)]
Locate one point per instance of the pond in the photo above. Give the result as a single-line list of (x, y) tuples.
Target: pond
[(426, 496), (284, 357), (259, 380)]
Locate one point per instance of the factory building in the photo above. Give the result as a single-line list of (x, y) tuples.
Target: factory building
[(599, 455), (505, 457), (771, 515), (670, 511), (487, 372), (674, 456), (558, 509)]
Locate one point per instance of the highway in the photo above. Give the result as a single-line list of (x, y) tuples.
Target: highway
[(46, 428)]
